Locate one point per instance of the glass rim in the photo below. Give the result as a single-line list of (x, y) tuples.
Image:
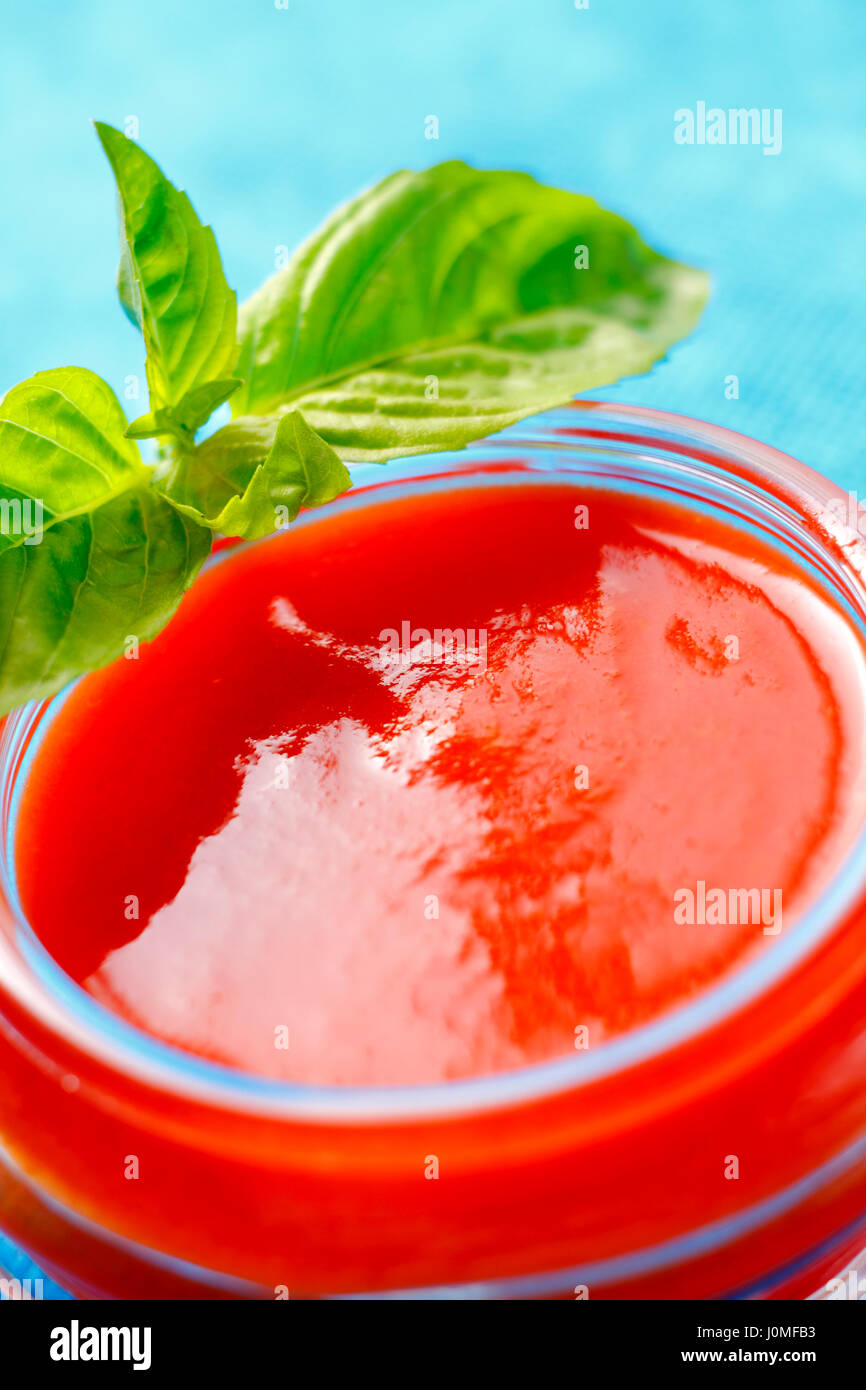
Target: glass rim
[(131, 1052)]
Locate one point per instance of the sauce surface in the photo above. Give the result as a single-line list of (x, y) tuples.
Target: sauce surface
[(420, 789)]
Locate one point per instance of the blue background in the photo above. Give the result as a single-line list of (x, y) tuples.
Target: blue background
[(270, 117)]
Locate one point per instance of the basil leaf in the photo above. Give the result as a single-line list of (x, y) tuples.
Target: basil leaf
[(442, 305), (62, 447), (253, 477), (171, 283), (183, 420), (109, 560)]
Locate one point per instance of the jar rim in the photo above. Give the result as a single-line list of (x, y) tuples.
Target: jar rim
[(125, 1049)]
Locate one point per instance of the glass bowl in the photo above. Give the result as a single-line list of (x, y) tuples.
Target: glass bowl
[(585, 1176)]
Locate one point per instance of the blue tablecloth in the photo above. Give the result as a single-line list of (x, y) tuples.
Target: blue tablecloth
[(271, 116)]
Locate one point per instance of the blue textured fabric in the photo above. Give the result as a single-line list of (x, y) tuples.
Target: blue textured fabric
[(270, 116), (14, 1264)]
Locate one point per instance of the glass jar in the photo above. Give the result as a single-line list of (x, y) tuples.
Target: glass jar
[(592, 1175)]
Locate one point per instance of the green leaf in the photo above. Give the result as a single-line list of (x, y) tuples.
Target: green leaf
[(110, 559), (442, 305), (252, 477), (171, 283), (183, 420), (62, 445)]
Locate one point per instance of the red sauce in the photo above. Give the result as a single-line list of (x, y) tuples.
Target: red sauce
[(420, 865)]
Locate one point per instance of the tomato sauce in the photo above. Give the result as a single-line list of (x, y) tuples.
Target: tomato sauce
[(443, 786)]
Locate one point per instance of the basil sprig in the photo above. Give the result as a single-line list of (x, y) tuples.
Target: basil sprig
[(431, 310)]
